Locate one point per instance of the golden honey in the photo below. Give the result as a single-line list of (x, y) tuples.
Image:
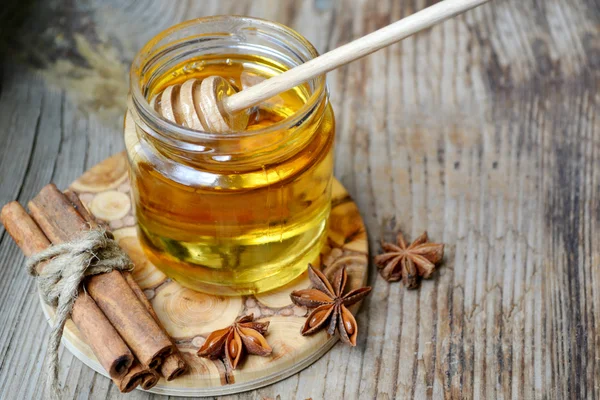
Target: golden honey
[(235, 213)]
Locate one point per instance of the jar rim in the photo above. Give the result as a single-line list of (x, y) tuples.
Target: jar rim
[(157, 123)]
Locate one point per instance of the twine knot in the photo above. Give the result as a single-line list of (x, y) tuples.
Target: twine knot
[(94, 252)]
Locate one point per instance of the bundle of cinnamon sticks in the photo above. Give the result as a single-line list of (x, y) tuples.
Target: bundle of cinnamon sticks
[(113, 315)]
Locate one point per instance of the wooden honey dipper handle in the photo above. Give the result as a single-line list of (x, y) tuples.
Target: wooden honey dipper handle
[(214, 105), (347, 53)]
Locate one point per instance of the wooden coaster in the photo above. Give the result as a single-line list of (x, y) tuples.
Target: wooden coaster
[(190, 316)]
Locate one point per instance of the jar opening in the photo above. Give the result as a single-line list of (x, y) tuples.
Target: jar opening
[(211, 37)]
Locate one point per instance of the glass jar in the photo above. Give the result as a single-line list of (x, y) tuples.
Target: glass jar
[(240, 212)]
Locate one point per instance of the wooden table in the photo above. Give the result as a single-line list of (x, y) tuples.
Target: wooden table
[(484, 131)]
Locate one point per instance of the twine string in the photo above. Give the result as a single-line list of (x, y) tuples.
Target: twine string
[(68, 264)]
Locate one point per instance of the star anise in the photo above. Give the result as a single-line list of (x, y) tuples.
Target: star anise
[(244, 335), (330, 305), (409, 262)]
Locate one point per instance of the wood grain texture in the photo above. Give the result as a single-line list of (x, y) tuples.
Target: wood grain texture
[(190, 317), (483, 131)]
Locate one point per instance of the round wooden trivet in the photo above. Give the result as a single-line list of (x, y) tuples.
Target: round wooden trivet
[(190, 316)]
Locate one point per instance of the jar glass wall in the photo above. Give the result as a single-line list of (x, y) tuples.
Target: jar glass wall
[(240, 212)]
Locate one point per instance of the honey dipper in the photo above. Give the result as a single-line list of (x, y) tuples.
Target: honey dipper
[(214, 105)]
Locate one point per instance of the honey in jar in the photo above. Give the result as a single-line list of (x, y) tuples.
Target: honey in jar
[(238, 212)]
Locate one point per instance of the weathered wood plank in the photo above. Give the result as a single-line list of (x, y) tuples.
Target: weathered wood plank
[(483, 131)]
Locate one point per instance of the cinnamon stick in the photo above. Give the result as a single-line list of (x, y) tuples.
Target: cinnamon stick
[(61, 222), (136, 375), (150, 380), (108, 347), (173, 365), (83, 211)]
